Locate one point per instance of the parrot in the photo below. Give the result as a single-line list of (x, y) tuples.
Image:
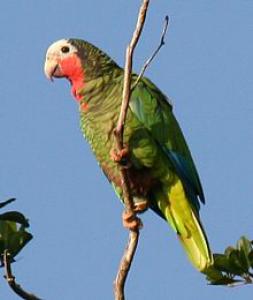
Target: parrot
[(162, 174)]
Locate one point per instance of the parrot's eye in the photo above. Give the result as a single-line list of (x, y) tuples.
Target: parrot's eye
[(65, 49)]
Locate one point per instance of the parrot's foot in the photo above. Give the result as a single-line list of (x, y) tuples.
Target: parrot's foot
[(121, 157), (131, 221)]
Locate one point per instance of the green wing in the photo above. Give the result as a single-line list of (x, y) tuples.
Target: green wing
[(153, 110), (176, 201)]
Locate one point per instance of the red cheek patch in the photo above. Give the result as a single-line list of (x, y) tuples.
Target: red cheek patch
[(72, 68)]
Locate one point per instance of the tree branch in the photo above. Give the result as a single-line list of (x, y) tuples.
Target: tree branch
[(128, 72), (125, 265), (148, 61), (11, 279), (128, 255)]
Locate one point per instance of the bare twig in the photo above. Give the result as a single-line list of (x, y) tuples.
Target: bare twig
[(148, 61), (125, 265), (11, 280), (240, 283), (128, 255)]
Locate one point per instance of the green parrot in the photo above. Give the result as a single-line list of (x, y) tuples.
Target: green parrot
[(160, 167)]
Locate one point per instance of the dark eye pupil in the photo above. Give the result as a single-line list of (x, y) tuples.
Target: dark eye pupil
[(65, 49)]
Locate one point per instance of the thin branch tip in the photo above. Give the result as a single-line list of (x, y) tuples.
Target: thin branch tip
[(154, 54), (165, 28)]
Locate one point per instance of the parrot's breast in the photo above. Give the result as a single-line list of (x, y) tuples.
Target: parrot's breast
[(98, 123)]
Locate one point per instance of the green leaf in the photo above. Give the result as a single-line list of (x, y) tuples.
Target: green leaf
[(244, 243), (244, 247), (229, 250), (216, 277), (2, 204), (14, 216), (12, 237), (235, 264), (221, 263), (250, 257), (212, 274), (18, 241)]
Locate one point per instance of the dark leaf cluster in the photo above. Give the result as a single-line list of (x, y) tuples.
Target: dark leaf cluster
[(13, 231), (234, 267)]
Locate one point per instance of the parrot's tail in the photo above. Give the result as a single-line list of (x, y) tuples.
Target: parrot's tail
[(197, 247), (184, 219)]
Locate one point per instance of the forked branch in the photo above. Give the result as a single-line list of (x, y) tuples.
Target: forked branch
[(149, 61)]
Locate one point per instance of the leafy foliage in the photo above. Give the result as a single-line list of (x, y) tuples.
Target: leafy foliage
[(234, 267), (13, 233)]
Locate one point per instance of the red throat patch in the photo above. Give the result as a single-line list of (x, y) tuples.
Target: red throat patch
[(84, 107), (72, 69)]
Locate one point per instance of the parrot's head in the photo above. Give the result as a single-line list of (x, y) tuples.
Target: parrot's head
[(62, 60), (78, 61)]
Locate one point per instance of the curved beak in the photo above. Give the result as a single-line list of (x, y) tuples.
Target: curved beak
[(52, 68)]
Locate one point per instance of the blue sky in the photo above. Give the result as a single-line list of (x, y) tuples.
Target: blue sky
[(205, 68)]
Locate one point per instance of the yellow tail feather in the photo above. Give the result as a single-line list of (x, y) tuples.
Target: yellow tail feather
[(196, 247), (184, 220)]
